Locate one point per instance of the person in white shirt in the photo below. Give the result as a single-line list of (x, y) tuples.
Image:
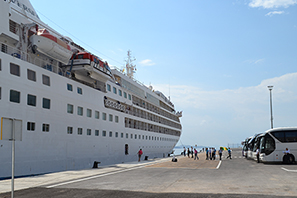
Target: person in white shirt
[(258, 154), (287, 151)]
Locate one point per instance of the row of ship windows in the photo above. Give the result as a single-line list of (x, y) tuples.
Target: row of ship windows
[(118, 91), (46, 128), (15, 96), (31, 75), (70, 109)]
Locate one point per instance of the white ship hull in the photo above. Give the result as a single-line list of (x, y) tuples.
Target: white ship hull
[(55, 148)]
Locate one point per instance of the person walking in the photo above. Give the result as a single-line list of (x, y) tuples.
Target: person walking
[(214, 153), (220, 153), (229, 152), (185, 151), (258, 154), (196, 152), (139, 154), (188, 153), (210, 153), (192, 152), (206, 151)]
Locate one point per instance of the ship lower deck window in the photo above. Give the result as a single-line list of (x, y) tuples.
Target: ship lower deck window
[(108, 87), (103, 116), (46, 80), (110, 117), (46, 103), (70, 108), (116, 134), (122, 135), (89, 131), (79, 111), (31, 75), (14, 96), (127, 136), (131, 136), (69, 130), (31, 126), (114, 90), (97, 114), (69, 87), (126, 149), (103, 133), (96, 132), (31, 100), (120, 92), (110, 134), (125, 95), (116, 119), (79, 90), (89, 113), (79, 131), (45, 127), (129, 96), (15, 69)]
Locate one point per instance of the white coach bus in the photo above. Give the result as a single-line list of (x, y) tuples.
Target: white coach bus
[(274, 142)]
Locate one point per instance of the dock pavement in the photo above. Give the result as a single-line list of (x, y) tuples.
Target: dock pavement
[(236, 177)]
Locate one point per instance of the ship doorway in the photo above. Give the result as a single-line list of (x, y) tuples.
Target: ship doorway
[(126, 149)]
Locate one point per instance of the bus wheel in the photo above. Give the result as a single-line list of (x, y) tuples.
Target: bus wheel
[(291, 159), (288, 159)]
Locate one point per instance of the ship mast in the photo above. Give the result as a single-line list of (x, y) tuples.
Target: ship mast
[(130, 67)]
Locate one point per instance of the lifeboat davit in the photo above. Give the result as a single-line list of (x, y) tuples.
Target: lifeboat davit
[(50, 45)]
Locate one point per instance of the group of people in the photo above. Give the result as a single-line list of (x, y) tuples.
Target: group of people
[(210, 153), (191, 152)]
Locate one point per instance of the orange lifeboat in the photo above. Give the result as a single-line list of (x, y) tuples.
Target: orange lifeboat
[(85, 64), (50, 45)]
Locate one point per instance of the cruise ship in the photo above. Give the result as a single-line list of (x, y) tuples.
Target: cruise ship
[(71, 106)]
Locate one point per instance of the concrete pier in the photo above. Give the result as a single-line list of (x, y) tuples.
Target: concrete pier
[(236, 177)]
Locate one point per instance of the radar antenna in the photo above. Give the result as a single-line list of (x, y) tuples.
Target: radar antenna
[(130, 67)]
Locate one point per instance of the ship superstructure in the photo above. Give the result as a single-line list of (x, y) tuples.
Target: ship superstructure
[(75, 109)]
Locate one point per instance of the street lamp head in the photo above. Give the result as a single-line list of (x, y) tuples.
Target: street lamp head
[(270, 87)]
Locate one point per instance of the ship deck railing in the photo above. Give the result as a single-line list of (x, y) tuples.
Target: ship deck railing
[(17, 53), (140, 83)]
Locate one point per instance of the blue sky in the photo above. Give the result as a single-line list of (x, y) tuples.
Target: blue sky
[(214, 58)]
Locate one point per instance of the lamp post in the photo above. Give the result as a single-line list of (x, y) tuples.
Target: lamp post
[(271, 118)]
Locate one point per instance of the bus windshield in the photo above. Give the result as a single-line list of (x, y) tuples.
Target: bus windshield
[(267, 144)]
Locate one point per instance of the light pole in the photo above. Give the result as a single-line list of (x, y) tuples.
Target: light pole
[(271, 118)]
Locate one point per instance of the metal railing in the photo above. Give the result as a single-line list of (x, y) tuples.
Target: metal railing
[(17, 53)]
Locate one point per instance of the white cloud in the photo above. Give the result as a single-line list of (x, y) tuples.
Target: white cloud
[(216, 118), (250, 61), (259, 61), (147, 62), (272, 3), (274, 12)]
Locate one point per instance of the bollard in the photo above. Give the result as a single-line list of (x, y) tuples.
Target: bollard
[(95, 165)]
